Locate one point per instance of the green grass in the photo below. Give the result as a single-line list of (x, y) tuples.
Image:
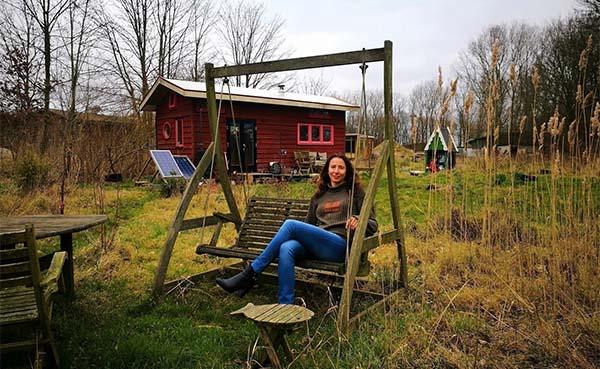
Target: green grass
[(122, 330), (515, 302)]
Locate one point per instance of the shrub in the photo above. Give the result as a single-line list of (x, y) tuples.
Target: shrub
[(172, 186), (31, 171)]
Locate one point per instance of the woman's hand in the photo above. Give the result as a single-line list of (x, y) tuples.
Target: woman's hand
[(352, 222)]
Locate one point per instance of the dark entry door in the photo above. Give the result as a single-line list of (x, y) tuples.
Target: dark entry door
[(241, 145)]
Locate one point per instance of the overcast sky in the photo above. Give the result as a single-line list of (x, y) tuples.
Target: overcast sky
[(426, 34)]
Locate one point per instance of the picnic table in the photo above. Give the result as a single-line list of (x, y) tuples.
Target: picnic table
[(56, 225)]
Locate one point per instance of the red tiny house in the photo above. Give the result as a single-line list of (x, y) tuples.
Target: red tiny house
[(269, 125)]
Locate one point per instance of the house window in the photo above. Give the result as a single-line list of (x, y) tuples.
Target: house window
[(172, 100), (179, 132), (315, 134), (166, 130)]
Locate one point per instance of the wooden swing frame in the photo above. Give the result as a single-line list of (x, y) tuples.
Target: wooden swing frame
[(386, 160)]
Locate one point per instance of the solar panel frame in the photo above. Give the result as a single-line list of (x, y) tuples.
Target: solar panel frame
[(166, 164), (185, 165)]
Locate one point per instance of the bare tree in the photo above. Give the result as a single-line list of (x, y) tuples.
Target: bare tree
[(518, 48), (570, 73), (249, 35), (401, 119), (424, 106), (314, 84), (77, 38), (46, 14), (464, 112), (172, 26), (150, 38), (590, 9), (127, 31), (20, 85), (202, 19)]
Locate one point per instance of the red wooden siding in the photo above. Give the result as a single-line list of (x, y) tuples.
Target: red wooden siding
[(276, 129), (183, 110)]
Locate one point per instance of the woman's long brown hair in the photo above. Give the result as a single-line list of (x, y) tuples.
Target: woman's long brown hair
[(324, 180)]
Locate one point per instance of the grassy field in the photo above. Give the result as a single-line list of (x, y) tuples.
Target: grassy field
[(503, 273)]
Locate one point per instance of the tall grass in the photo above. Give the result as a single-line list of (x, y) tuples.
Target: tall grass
[(530, 273)]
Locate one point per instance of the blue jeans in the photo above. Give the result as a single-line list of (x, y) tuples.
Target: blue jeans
[(297, 240)]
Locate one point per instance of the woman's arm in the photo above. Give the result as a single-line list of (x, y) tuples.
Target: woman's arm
[(311, 217)]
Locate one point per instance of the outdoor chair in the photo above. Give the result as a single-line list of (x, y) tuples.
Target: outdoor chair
[(26, 295)]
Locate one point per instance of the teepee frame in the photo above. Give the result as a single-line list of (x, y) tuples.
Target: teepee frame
[(386, 160)]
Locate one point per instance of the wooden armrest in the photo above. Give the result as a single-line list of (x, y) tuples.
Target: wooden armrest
[(56, 266), (228, 218)]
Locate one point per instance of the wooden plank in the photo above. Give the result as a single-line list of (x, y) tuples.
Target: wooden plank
[(214, 128), (12, 255), (252, 223), (260, 233), (269, 347), (200, 222), (15, 292), (243, 253), (253, 243), (382, 238), (12, 268), (51, 225), (9, 239), (356, 250), (9, 346), (227, 252), (18, 304), (327, 60), (175, 225), (269, 313), (55, 270), (17, 312), (391, 166), (299, 314), (16, 281), (257, 237)]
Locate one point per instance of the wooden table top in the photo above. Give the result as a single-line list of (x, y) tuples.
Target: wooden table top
[(51, 225), (275, 314)]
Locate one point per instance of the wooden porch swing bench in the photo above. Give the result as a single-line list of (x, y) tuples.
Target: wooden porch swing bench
[(264, 217)]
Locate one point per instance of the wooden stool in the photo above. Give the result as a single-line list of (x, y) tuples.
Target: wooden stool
[(273, 321)]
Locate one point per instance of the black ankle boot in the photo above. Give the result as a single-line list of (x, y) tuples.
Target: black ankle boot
[(240, 283)]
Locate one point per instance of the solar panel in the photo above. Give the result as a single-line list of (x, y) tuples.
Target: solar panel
[(165, 163), (185, 166)]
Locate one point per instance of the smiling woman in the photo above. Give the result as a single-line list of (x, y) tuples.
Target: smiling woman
[(325, 234)]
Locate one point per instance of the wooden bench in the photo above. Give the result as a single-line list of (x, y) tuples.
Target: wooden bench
[(26, 293), (264, 217)]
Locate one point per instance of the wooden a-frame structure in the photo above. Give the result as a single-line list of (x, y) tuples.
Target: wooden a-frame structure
[(386, 160)]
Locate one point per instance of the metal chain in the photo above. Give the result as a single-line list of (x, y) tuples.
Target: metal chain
[(212, 160), (361, 117), (237, 142)]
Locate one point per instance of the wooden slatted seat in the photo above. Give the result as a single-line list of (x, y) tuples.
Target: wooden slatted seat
[(264, 217), (26, 293)]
